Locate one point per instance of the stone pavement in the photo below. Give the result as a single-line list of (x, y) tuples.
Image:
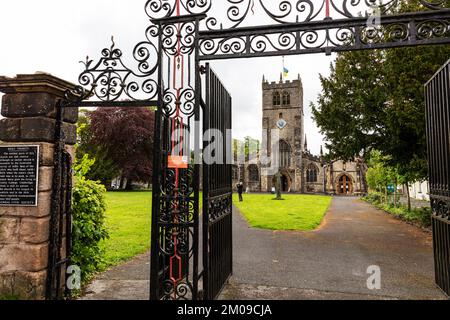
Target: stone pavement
[(329, 263)]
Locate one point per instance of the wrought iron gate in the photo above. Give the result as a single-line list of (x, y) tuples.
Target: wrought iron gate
[(437, 93), (61, 218), (217, 189), (185, 32)]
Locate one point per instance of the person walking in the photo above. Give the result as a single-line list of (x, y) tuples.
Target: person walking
[(240, 190)]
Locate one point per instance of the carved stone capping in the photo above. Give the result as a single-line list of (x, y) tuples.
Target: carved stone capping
[(29, 106), (33, 95), (29, 111)]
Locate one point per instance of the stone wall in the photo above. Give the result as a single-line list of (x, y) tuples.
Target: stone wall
[(29, 110)]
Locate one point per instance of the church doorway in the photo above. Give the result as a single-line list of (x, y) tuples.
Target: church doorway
[(284, 183), (345, 185)]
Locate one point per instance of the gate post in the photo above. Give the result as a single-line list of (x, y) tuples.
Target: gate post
[(29, 111)]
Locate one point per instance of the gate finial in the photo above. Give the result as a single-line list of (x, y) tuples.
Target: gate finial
[(113, 44)]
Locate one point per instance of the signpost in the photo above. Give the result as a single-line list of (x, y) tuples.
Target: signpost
[(391, 188), (19, 175)]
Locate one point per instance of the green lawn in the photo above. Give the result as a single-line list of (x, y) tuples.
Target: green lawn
[(295, 212), (128, 216)]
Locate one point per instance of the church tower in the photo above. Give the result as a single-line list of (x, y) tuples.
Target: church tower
[(283, 110)]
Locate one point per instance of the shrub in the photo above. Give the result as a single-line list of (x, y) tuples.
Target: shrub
[(417, 216), (374, 197), (88, 208)]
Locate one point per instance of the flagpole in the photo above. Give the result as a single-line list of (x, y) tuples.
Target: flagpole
[(284, 73)]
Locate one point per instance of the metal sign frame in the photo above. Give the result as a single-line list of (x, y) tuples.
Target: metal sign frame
[(36, 184)]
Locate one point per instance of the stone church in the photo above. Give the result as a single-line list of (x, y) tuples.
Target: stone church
[(302, 172)]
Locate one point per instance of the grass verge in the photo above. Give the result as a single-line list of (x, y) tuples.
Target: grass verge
[(128, 218), (420, 217), (295, 212)]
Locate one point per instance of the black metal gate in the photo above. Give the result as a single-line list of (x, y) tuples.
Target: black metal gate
[(217, 189), (438, 135), (61, 218), (182, 34)]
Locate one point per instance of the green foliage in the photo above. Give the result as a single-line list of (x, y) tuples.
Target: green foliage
[(252, 147), (379, 173), (374, 100), (103, 168), (374, 197), (417, 216), (83, 166), (88, 209), (246, 149), (9, 297)]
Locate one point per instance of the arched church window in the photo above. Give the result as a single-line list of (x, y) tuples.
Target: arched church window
[(285, 154), (276, 99), (286, 98), (311, 173), (253, 173)]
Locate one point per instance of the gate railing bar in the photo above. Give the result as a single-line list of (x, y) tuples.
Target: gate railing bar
[(68, 214), (438, 72), (205, 184), (437, 102), (156, 176), (112, 104), (197, 167), (52, 284)]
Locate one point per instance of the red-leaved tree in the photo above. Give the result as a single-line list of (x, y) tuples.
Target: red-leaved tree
[(127, 136)]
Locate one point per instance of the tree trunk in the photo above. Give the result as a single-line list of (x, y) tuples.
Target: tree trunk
[(395, 198), (128, 186), (123, 183), (408, 196)]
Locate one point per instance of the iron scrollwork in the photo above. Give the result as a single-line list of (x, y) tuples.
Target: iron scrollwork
[(219, 207), (440, 207), (111, 80), (329, 36), (177, 214), (283, 11)]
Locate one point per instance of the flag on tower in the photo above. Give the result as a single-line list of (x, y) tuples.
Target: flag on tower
[(285, 70)]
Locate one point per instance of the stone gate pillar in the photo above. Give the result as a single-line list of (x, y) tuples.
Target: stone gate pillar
[(28, 108)]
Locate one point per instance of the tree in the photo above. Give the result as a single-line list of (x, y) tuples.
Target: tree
[(374, 100), (126, 136), (102, 167), (245, 150), (251, 148), (379, 174), (351, 107)]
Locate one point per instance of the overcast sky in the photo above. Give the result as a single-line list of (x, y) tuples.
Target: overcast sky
[(54, 35)]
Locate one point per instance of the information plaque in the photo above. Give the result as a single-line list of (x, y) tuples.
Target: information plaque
[(19, 175)]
